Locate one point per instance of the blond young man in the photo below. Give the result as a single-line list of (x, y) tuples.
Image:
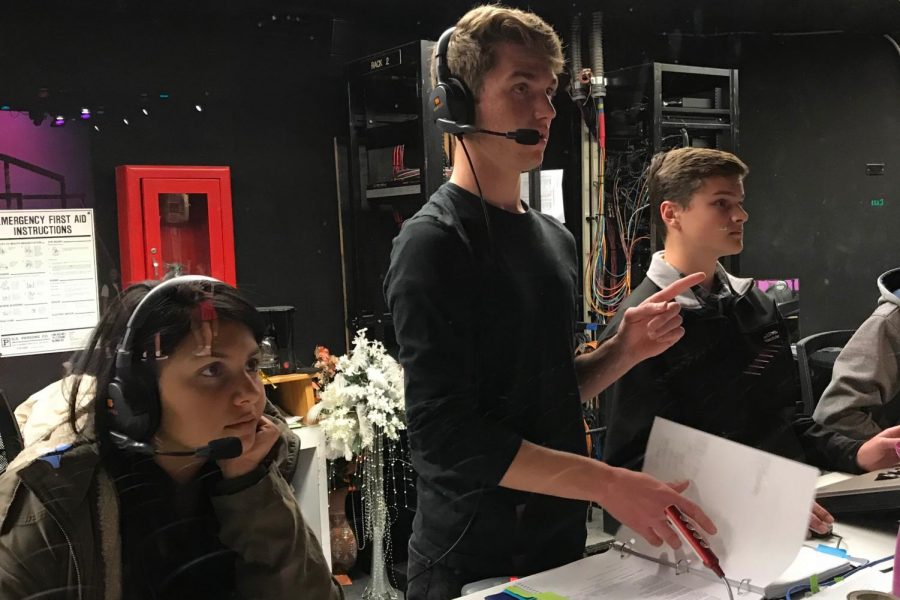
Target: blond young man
[(483, 300)]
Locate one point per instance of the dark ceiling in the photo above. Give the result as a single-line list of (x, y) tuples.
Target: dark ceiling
[(76, 48), (696, 16)]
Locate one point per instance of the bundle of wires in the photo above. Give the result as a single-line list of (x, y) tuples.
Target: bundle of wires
[(619, 227), (400, 172)]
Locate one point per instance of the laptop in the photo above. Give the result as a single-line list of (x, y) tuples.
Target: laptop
[(875, 491)]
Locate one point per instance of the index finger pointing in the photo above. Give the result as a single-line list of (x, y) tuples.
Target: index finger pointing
[(668, 293)]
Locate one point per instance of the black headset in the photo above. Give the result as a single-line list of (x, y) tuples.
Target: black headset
[(133, 403), (452, 103)]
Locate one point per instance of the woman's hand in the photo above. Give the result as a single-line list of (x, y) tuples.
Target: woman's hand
[(266, 436)]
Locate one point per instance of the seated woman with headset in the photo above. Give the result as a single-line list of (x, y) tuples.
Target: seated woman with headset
[(176, 484)]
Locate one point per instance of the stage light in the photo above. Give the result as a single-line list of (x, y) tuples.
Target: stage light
[(5, 107), (125, 120), (97, 128), (85, 113), (198, 107), (146, 112), (58, 121), (163, 96)]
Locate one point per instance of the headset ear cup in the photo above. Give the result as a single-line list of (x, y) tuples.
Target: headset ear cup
[(440, 105), (134, 404), (451, 101), (460, 101)]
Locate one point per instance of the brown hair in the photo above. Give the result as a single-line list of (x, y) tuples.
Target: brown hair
[(470, 55), (675, 175)]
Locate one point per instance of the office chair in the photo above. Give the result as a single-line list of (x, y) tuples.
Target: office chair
[(818, 352), (10, 436)]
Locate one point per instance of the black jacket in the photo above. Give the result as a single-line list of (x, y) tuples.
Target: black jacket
[(732, 375)]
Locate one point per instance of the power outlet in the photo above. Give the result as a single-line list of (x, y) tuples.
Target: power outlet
[(874, 168)]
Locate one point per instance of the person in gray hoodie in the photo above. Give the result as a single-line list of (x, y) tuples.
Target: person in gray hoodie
[(863, 397)]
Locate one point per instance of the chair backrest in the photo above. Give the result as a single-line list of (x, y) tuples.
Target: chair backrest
[(10, 436), (818, 350)]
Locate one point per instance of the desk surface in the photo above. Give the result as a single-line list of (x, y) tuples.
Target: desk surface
[(287, 377)]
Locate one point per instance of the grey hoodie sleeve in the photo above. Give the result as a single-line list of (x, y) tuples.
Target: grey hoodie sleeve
[(865, 376)]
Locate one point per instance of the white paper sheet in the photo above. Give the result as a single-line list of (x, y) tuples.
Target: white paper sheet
[(551, 193), (612, 577), (759, 502)]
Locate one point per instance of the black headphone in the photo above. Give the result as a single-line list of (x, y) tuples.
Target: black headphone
[(452, 104), (133, 403)]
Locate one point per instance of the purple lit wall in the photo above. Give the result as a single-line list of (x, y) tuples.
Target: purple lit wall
[(64, 150)]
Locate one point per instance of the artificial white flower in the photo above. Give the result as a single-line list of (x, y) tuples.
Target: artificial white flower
[(365, 397)]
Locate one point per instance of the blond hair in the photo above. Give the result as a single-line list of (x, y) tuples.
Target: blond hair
[(470, 55)]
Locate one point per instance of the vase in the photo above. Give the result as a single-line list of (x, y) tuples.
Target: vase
[(343, 541), (379, 587)]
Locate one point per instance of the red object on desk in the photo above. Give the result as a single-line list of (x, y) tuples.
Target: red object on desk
[(175, 218), (697, 542)]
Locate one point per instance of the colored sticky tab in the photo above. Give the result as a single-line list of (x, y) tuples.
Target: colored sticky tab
[(525, 594), (814, 584), (833, 551)]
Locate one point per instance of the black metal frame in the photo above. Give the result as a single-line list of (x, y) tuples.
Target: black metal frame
[(647, 83), (9, 195), (369, 217)]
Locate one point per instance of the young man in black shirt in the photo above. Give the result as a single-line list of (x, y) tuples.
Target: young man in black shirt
[(483, 299)]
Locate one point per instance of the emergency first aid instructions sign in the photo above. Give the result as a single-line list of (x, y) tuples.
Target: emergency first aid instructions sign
[(48, 280)]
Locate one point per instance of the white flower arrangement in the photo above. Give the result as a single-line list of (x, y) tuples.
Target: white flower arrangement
[(365, 395)]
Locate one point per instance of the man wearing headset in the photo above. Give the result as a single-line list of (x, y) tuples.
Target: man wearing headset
[(482, 292)]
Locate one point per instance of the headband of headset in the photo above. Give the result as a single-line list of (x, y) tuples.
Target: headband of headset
[(441, 67), (139, 315)]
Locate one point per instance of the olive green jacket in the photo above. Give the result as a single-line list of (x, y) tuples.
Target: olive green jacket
[(59, 529)]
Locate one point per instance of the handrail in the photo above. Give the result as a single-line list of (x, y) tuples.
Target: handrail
[(7, 160)]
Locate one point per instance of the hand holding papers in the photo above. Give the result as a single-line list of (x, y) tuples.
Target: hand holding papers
[(641, 500), (759, 501)]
